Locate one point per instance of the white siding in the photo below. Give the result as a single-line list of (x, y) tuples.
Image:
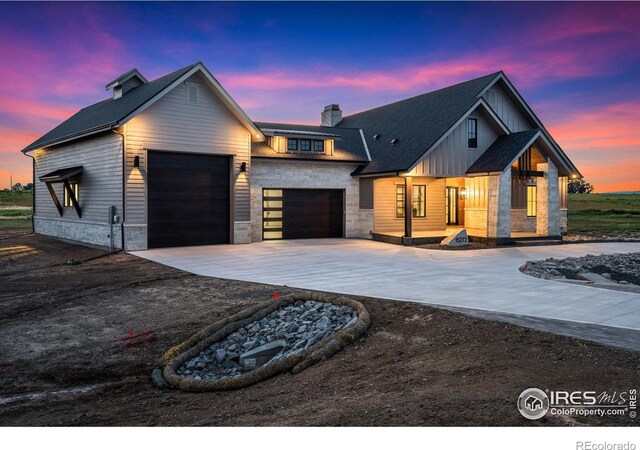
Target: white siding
[(506, 110), (452, 157), (175, 124), (100, 184)]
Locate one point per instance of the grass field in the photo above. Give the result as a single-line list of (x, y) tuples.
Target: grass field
[(15, 210), (604, 214)]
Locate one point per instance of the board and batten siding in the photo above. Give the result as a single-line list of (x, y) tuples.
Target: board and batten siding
[(175, 124), (504, 108), (100, 184), (384, 198), (100, 187), (452, 157)]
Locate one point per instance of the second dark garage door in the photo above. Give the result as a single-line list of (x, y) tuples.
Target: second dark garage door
[(188, 199), (303, 213)]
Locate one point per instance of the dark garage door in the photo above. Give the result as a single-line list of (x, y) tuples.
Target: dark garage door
[(188, 199), (303, 213)]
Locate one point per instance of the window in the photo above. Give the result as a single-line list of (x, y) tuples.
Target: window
[(67, 200), (318, 146), (292, 145), (532, 201), (472, 125), (419, 201), (399, 200), (305, 145)]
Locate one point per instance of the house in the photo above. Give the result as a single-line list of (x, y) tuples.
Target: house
[(176, 162)]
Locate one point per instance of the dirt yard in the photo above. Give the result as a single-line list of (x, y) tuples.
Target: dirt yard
[(63, 361)]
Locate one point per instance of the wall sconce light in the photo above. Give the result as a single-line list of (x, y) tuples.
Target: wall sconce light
[(136, 161), (463, 193), (243, 166)]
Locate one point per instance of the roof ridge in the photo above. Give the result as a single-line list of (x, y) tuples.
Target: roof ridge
[(492, 75)]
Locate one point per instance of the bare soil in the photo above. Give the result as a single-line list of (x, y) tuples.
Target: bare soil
[(63, 361)]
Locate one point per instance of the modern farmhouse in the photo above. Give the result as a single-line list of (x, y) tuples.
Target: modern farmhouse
[(176, 162)]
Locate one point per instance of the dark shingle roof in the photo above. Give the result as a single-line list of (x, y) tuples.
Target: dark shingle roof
[(417, 123), (347, 147), (108, 112), (504, 150)]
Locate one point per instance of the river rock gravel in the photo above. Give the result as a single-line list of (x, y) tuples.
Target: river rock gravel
[(623, 268), (300, 325)]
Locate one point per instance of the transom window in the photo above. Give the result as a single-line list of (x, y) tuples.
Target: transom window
[(67, 200), (419, 201), (532, 201), (305, 145), (472, 126)]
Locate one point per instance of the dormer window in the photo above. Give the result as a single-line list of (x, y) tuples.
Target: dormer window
[(472, 126), (305, 145)]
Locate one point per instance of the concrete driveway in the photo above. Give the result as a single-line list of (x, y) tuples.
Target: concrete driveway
[(484, 280)]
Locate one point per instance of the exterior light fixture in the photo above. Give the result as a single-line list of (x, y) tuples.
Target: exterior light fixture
[(136, 161), (243, 166), (463, 193), (574, 176)]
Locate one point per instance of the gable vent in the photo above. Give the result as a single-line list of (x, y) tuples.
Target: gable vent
[(376, 137), (192, 92), (394, 141)]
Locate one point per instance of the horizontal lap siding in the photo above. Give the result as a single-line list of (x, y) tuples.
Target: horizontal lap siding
[(173, 124), (384, 199), (100, 184)]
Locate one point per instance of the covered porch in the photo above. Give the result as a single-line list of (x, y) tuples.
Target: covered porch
[(512, 192)]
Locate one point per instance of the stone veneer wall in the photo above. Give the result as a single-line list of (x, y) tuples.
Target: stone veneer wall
[(366, 223), (548, 207), (499, 206), (98, 234), (279, 173), (475, 218), (564, 221), (520, 221)]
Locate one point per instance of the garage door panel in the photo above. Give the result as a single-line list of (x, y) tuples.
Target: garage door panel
[(311, 213), (188, 199)]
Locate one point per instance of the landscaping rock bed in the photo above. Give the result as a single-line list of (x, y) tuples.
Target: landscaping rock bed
[(288, 334), (299, 326), (623, 268)]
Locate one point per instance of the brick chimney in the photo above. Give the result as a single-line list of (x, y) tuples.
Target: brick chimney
[(331, 116)]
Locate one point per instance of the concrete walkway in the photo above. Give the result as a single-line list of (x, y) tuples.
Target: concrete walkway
[(486, 280)]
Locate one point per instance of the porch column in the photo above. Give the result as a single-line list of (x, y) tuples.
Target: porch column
[(499, 207), (548, 201), (408, 205)]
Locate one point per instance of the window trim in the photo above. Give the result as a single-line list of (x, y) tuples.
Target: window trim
[(400, 192), (472, 142)]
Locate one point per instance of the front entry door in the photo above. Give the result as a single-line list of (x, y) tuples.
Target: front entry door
[(451, 202)]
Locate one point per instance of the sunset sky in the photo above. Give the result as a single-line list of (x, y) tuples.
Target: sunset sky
[(577, 64)]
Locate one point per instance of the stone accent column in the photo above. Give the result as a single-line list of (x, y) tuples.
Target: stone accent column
[(499, 208), (548, 201)]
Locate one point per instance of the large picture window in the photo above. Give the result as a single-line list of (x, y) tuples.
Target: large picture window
[(472, 125), (419, 201), (532, 201)]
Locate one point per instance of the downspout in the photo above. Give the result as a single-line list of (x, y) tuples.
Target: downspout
[(33, 196), (124, 186)]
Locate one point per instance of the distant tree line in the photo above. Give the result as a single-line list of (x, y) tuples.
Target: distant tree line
[(21, 187), (580, 187)]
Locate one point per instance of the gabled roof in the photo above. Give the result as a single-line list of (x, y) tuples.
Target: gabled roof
[(111, 113), (503, 152), (348, 143), (417, 123)]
